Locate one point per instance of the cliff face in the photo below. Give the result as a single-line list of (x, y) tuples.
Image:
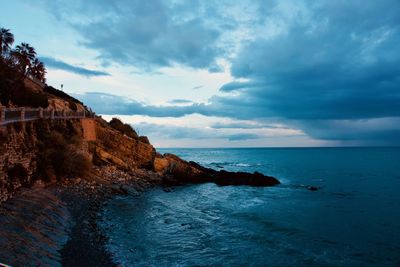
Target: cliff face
[(44, 151), (17, 158), (114, 147), (26, 151)]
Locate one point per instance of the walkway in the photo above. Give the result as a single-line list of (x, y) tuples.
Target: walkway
[(11, 115)]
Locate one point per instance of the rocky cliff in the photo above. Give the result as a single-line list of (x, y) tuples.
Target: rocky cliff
[(113, 147), (40, 152), (45, 151)]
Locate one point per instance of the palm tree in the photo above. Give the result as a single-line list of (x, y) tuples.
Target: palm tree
[(38, 70), (25, 55), (6, 40)]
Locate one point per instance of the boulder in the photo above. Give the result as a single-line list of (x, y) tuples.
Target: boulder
[(108, 157), (161, 165)]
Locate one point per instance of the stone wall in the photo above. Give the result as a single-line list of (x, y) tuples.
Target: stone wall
[(89, 129), (18, 148)]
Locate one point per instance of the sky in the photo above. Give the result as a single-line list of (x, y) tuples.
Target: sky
[(225, 73)]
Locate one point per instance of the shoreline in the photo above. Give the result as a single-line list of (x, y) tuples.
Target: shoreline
[(87, 242), (57, 225), (83, 242)]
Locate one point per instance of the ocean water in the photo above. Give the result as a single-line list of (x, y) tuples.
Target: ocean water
[(352, 220)]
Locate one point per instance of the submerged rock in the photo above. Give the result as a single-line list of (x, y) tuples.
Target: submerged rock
[(312, 188)]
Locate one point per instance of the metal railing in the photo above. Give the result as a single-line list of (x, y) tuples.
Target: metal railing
[(11, 115)]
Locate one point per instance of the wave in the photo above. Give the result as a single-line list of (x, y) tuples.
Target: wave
[(222, 165)]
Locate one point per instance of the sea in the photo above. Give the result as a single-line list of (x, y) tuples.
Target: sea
[(353, 219)]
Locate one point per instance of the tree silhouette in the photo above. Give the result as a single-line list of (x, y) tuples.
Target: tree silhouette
[(38, 70), (6, 40), (24, 55), (17, 65)]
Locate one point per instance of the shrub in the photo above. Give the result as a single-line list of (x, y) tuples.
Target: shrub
[(3, 137), (23, 96), (74, 165), (144, 139), (51, 146), (60, 94), (18, 172), (123, 128), (9, 79), (72, 105), (57, 157), (57, 140), (4, 91)]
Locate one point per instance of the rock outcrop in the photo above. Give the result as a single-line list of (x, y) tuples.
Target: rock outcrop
[(116, 148), (177, 171)]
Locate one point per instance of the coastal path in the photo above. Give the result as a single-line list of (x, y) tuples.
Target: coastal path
[(12, 115)]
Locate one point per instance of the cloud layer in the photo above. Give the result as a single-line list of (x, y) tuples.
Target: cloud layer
[(324, 66), (145, 34), (61, 65), (329, 68)]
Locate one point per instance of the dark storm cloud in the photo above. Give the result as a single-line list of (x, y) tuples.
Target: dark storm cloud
[(381, 131), (53, 63), (233, 86), (340, 63), (334, 74)]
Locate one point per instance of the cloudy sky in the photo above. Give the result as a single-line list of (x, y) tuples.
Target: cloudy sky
[(195, 73)]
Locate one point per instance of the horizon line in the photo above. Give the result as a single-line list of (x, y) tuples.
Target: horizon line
[(261, 147)]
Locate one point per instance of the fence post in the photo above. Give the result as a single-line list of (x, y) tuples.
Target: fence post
[(84, 113), (52, 114), (2, 113), (22, 114), (40, 113), (64, 115)]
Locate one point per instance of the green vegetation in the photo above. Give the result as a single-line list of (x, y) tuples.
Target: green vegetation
[(27, 98), (71, 101), (60, 94), (126, 129), (18, 173), (16, 65), (144, 139), (58, 157)]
